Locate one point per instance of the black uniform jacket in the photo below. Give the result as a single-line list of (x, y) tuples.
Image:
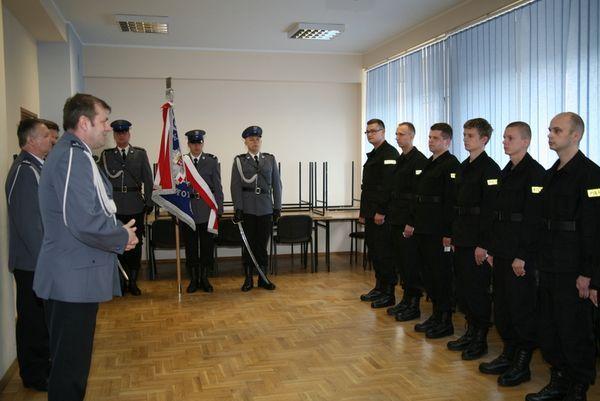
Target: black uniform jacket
[(517, 211), (377, 180), (432, 207), (409, 167), (476, 190)]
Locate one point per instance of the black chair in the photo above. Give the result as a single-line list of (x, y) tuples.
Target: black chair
[(356, 236), (161, 235), (229, 237), (294, 229)]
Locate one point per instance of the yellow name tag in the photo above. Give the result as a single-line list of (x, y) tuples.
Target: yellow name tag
[(492, 182), (389, 162), (536, 190), (452, 175), (593, 193), (417, 172)]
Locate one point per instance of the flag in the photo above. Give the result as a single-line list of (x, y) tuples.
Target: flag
[(177, 179)]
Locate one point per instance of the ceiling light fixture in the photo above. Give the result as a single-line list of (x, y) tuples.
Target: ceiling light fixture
[(142, 23), (311, 31)]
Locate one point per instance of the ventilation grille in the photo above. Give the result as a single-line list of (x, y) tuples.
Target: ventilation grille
[(142, 23)]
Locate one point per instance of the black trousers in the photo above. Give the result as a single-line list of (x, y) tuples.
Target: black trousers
[(405, 252), (436, 270), (473, 287), (72, 327), (379, 243), (565, 331), (132, 259), (515, 301), (258, 230), (33, 351), (206, 258)]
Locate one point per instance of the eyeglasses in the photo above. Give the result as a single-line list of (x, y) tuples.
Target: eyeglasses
[(372, 131)]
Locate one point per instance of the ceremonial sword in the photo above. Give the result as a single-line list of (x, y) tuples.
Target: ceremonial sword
[(260, 272)]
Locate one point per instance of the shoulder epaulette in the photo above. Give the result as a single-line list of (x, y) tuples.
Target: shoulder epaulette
[(138, 148), (241, 156), (75, 144), (210, 155), (25, 162), (266, 154)]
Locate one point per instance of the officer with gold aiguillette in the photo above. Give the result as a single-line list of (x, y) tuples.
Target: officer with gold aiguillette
[(128, 169)]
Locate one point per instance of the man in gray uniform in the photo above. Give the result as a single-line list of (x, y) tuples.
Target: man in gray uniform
[(77, 264), (25, 238), (53, 128), (129, 172), (256, 194), (209, 169)]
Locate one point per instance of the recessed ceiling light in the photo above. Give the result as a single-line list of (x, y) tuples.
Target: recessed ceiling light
[(142, 23), (311, 31)]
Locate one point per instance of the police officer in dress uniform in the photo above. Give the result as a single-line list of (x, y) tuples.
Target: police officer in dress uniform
[(476, 190), (512, 257), (77, 264), (53, 128), (210, 170), (377, 184), (570, 199), (430, 221), (129, 172), (25, 239), (256, 193), (410, 165)]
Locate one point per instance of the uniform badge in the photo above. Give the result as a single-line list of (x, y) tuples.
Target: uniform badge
[(418, 172), (536, 190), (593, 193), (452, 175), (389, 161), (492, 182)]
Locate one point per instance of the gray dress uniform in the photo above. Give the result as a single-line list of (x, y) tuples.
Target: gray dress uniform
[(25, 239), (198, 266), (129, 175), (256, 193), (77, 264)]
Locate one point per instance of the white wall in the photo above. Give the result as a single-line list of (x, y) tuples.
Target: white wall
[(308, 106), (18, 87)]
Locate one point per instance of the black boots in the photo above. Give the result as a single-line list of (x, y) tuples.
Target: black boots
[(556, 390), (519, 370), (193, 286), (443, 326), (463, 341), (133, 288), (204, 283), (424, 326), (478, 346), (411, 311), (267, 285), (577, 392), (372, 295), (248, 283), (387, 297), (394, 310), (500, 364)]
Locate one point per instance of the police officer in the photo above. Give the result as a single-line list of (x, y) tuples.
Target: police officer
[(53, 128), (25, 239), (476, 190), (567, 261), (511, 254), (410, 165), (377, 183), (77, 264), (430, 222), (210, 170), (256, 193), (129, 172)]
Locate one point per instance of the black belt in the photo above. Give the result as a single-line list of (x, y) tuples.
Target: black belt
[(126, 189), (257, 190), (428, 199), (467, 211), (553, 225), (513, 217)]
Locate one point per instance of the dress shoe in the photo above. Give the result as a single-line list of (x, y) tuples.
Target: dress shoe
[(133, 288), (204, 283)]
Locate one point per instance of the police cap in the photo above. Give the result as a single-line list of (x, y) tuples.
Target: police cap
[(252, 131), (195, 136), (120, 125)]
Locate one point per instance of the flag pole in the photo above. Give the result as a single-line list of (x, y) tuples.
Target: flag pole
[(169, 95)]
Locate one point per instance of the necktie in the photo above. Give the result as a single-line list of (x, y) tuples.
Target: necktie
[(123, 154), (196, 162), (256, 159)]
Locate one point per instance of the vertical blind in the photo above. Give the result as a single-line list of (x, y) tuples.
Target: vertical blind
[(528, 64)]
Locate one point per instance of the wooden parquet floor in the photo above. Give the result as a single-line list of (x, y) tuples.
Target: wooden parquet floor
[(310, 340)]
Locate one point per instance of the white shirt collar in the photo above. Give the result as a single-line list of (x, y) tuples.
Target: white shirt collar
[(196, 157), (126, 149), (252, 155), (38, 159)]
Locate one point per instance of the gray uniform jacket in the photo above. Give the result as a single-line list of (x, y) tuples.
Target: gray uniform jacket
[(25, 230), (127, 178), (263, 194), (210, 170), (78, 258)]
